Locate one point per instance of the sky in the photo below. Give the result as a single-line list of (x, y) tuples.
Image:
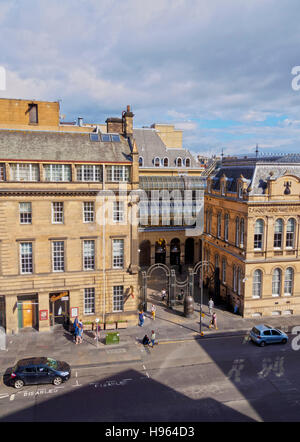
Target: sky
[(219, 70)]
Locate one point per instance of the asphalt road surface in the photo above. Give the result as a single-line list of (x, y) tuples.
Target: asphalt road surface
[(213, 379)]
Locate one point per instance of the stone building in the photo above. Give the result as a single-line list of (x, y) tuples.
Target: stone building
[(66, 194), (252, 215), (167, 230)]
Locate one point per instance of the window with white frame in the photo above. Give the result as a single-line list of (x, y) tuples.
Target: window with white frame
[(118, 211), (89, 254), (290, 233), (25, 213), (187, 162), (118, 253), (156, 162), (118, 298), (278, 229), (57, 212), (276, 282), (166, 162), (258, 234), (257, 284), (89, 172), (26, 258), (88, 212), (288, 281), (58, 256), (89, 301), (118, 173), (24, 172), (57, 172), (178, 162)]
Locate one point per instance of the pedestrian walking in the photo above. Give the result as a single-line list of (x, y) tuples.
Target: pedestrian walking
[(210, 306), (80, 332), (153, 311), (181, 295), (145, 340), (213, 322), (236, 306), (141, 318), (163, 294), (152, 338)]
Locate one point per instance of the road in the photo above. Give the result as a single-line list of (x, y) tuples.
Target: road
[(213, 379)]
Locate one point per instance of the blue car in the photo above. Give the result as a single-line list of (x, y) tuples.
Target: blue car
[(264, 334)]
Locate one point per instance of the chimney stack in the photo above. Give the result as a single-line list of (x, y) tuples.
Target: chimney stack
[(128, 121)]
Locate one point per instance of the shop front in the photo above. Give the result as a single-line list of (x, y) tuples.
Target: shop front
[(27, 306), (59, 305)]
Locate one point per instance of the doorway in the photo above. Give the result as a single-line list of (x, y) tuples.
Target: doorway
[(59, 303)]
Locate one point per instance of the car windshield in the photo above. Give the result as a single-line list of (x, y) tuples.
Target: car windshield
[(52, 363)]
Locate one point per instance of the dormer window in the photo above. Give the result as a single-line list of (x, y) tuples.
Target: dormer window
[(156, 162), (141, 161), (188, 162), (166, 162), (179, 162)]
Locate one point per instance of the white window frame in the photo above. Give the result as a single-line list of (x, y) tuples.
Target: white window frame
[(26, 258), (118, 298), (28, 167), (89, 173), (57, 212), (257, 283), (65, 172), (118, 253), (25, 215), (88, 254), (89, 301), (118, 212), (59, 248), (88, 211)]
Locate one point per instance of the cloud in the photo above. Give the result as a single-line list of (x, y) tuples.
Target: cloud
[(170, 61)]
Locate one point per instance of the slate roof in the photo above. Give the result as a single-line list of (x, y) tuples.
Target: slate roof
[(58, 146), (151, 146), (256, 172)]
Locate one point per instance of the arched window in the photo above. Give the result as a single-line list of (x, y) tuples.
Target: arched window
[(166, 162), (290, 233), (219, 220), (257, 284), (226, 224), (276, 282), (234, 278), (237, 231), (278, 229), (258, 234), (224, 270), (242, 232), (288, 281), (141, 161), (179, 162), (156, 162), (239, 280), (187, 162)]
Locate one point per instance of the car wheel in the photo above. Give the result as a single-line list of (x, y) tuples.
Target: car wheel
[(284, 341), (18, 383), (262, 344), (57, 380)]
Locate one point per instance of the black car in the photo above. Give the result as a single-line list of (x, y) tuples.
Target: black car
[(39, 371)]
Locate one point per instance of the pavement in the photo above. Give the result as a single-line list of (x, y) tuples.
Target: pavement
[(170, 325)]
